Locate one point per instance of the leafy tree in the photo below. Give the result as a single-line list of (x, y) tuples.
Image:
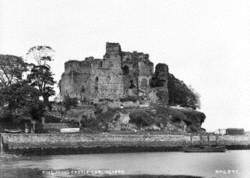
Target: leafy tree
[(11, 69), (21, 102), (17, 95), (36, 112), (41, 76), (181, 94)]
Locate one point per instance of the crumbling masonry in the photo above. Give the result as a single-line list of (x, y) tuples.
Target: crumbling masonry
[(118, 75)]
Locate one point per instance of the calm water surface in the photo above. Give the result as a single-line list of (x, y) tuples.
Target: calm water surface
[(232, 164)]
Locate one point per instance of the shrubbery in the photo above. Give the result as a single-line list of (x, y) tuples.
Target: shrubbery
[(129, 98), (181, 94), (23, 84), (141, 119)]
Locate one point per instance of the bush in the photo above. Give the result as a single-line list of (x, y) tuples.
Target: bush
[(181, 94), (141, 119), (52, 119), (129, 98), (36, 111), (194, 116)]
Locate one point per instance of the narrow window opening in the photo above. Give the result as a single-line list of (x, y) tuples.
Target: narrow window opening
[(132, 85), (125, 70)]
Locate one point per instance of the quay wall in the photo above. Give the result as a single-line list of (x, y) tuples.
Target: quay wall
[(86, 143)]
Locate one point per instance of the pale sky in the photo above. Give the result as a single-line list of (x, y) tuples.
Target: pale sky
[(206, 43)]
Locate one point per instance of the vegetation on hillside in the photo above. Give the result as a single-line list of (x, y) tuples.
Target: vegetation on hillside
[(181, 94), (25, 89), (22, 84), (163, 117)]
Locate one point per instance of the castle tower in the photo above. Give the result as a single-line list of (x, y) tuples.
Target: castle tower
[(112, 57)]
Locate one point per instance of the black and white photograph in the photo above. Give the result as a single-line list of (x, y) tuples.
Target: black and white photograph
[(124, 88)]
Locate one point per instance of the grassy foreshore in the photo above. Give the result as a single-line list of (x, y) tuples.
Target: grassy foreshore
[(43, 144)]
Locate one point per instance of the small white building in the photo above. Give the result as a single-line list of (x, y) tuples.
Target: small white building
[(220, 131)]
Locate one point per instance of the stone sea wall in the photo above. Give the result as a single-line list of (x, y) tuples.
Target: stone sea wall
[(85, 143), (25, 141)]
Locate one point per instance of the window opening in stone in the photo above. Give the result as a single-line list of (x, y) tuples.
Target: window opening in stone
[(82, 89), (132, 85), (125, 70)]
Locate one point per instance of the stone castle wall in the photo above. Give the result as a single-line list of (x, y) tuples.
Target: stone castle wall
[(119, 74)]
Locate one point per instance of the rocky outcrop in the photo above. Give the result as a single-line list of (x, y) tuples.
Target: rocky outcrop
[(155, 117), (169, 119), (194, 119)]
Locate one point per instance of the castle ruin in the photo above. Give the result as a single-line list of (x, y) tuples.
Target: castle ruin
[(118, 75)]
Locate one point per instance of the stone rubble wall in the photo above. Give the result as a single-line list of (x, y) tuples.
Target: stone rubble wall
[(29, 141), (82, 140)]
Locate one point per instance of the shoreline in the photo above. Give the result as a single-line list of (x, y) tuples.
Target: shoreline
[(81, 143), (101, 150)]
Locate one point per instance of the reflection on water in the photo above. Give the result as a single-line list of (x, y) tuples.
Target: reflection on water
[(232, 164)]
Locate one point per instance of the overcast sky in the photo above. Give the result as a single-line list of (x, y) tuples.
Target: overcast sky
[(206, 43)]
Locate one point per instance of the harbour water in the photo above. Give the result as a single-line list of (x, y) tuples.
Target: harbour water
[(231, 164)]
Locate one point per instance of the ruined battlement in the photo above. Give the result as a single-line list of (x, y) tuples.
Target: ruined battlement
[(76, 66), (118, 75), (113, 48)]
